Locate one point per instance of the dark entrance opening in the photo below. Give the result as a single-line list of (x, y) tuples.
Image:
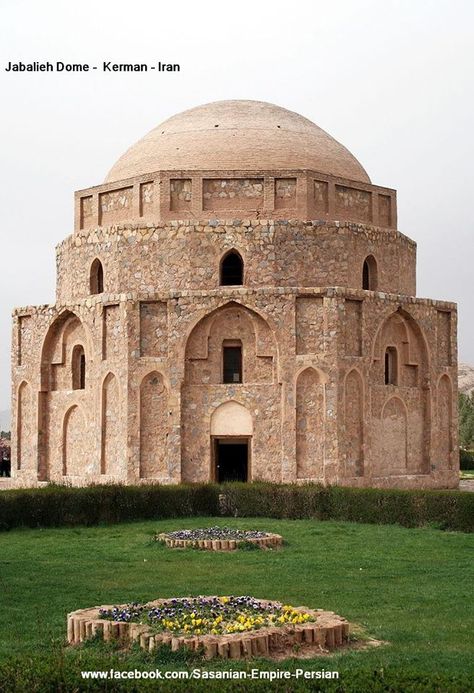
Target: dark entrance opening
[(231, 460)]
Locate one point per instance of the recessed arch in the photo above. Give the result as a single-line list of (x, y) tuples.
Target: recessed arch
[(153, 426), (310, 424), (400, 331), (354, 423), (232, 323), (24, 427), (231, 419), (96, 277), (369, 274), (394, 449), (231, 270), (74, 453), (65, 330), (110, 425)]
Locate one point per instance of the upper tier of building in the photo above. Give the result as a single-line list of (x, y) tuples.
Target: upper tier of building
[(236, 159)]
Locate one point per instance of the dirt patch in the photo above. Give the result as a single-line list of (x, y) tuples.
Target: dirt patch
[(311, 650)]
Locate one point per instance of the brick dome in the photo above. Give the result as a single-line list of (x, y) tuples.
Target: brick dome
[(237, 135)]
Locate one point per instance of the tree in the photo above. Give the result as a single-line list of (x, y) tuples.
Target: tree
[(466, 420)]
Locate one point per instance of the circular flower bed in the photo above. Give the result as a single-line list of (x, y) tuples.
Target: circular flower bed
[(233, 627), (208, 615), (218, 538)]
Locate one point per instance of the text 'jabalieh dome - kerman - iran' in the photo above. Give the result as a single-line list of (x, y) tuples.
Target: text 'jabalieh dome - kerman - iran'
[(236, 303)]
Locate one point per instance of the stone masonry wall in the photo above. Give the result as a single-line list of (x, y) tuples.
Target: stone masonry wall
[(186, 256), (302, 419)]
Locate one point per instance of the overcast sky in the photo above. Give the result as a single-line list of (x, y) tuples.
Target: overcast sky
[(390, 80)]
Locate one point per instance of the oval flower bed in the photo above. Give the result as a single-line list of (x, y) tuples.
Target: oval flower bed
[(218, 538), (232, 626)]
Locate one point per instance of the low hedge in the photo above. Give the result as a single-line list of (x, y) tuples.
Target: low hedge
[(56, 506)]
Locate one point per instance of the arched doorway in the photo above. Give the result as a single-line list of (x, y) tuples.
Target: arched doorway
[(231, 437)]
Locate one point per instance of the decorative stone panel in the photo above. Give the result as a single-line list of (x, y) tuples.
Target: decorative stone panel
[(385, 211), (112, 332), (353, 327), (321, 196), (232, 193), (86, 213), (356, 203), (310, 325), (180, 194), (115, 206), (285, 193), (153, 328), (444, 337), (147, 198), (25, 339)]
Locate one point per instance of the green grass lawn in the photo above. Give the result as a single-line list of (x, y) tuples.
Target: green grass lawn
[(409, 587)]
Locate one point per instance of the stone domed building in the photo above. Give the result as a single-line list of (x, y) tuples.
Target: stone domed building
[(236, 303)]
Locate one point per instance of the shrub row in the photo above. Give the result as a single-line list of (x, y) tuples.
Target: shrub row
[(55, 506)]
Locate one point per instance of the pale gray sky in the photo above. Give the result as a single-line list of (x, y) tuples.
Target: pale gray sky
[(392, 80)]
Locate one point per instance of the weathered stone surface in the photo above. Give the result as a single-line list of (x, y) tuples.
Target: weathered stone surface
[(346, 377)]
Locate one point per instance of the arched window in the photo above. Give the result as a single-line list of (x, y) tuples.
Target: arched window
[(97, 277), (232, 270), (78, 363), (391, 366), (369, 274)]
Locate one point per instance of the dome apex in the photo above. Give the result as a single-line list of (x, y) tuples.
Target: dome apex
[(237, 135)]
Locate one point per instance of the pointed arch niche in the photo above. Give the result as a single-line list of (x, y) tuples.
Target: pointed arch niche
[(25, 428), (75, 457), (153, 427), (354, 424), (310, 422), (394, 453), (111, 449)]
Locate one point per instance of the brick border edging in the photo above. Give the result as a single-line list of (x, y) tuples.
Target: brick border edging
[(328, 631), (270, 541)]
